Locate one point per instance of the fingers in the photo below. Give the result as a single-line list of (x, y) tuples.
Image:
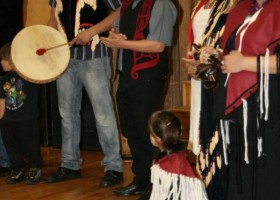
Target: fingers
[(123, 36), (193, 75), (234, 52), (185, 59), (191, 70), (224, 69), (191, 66), (206, 52), (72, 42), (116, 35), (190, 53), (105, 41), (78, 40), (190, 61)]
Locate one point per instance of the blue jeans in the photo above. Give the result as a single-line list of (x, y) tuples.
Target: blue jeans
[(4, 159), (95, 76)]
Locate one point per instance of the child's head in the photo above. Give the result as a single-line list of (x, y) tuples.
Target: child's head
[(6, 58), (165, 130)]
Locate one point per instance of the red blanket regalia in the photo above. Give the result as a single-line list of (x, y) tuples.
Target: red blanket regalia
[(260, 34), (258, 177), (173, 178)]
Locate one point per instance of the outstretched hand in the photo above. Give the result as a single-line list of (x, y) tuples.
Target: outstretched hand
[(115, 40), (191, 65)]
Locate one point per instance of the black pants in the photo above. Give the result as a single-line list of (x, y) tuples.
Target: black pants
[(135, 105), (258, 180), (21, 139)]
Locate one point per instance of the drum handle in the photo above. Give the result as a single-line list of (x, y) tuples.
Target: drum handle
[(41, 51)]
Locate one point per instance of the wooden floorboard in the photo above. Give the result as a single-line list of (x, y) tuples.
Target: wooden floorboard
[(85, 188)]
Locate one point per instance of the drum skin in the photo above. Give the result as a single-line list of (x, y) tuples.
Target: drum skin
[(40, 68)]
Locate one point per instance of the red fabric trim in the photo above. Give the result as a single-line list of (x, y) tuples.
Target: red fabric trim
[(234, 98), (176, 163), (152, 62), (125, 4), (141, 24), (152, 59)]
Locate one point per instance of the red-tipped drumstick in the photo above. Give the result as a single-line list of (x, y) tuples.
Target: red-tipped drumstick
[(41, 51)]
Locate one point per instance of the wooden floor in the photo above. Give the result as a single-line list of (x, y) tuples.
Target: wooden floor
[(85, 188)]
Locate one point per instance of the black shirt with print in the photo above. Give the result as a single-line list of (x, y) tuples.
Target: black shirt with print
[(21, 97)]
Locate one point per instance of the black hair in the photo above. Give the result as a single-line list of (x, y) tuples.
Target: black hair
[(5, 52), (167, 127)]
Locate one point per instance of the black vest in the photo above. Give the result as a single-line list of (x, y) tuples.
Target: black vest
[(137, 66), (88, 16)]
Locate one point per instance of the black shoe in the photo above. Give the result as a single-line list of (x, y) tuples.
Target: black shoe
[(111, 178), (131, 189), (34, 176), (15, 176), (4, 171), (147, 193), (63, 174)]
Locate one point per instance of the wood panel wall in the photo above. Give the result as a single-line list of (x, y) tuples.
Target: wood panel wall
[(174, 94), (36, 12)]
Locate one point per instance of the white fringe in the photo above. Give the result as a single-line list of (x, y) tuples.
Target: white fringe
[(245, 123), (247, 23), (261, 87), (227, 132), (195, 116), (260, 146), (171, 186), (224, 141), (228, 74), (59, 9), (266, 84), (80, 5)]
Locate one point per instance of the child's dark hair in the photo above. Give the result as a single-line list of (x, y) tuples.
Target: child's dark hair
[(5, 52), (167, 127)]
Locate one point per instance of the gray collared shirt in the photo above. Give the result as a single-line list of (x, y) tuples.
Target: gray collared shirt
[(163, 17)]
